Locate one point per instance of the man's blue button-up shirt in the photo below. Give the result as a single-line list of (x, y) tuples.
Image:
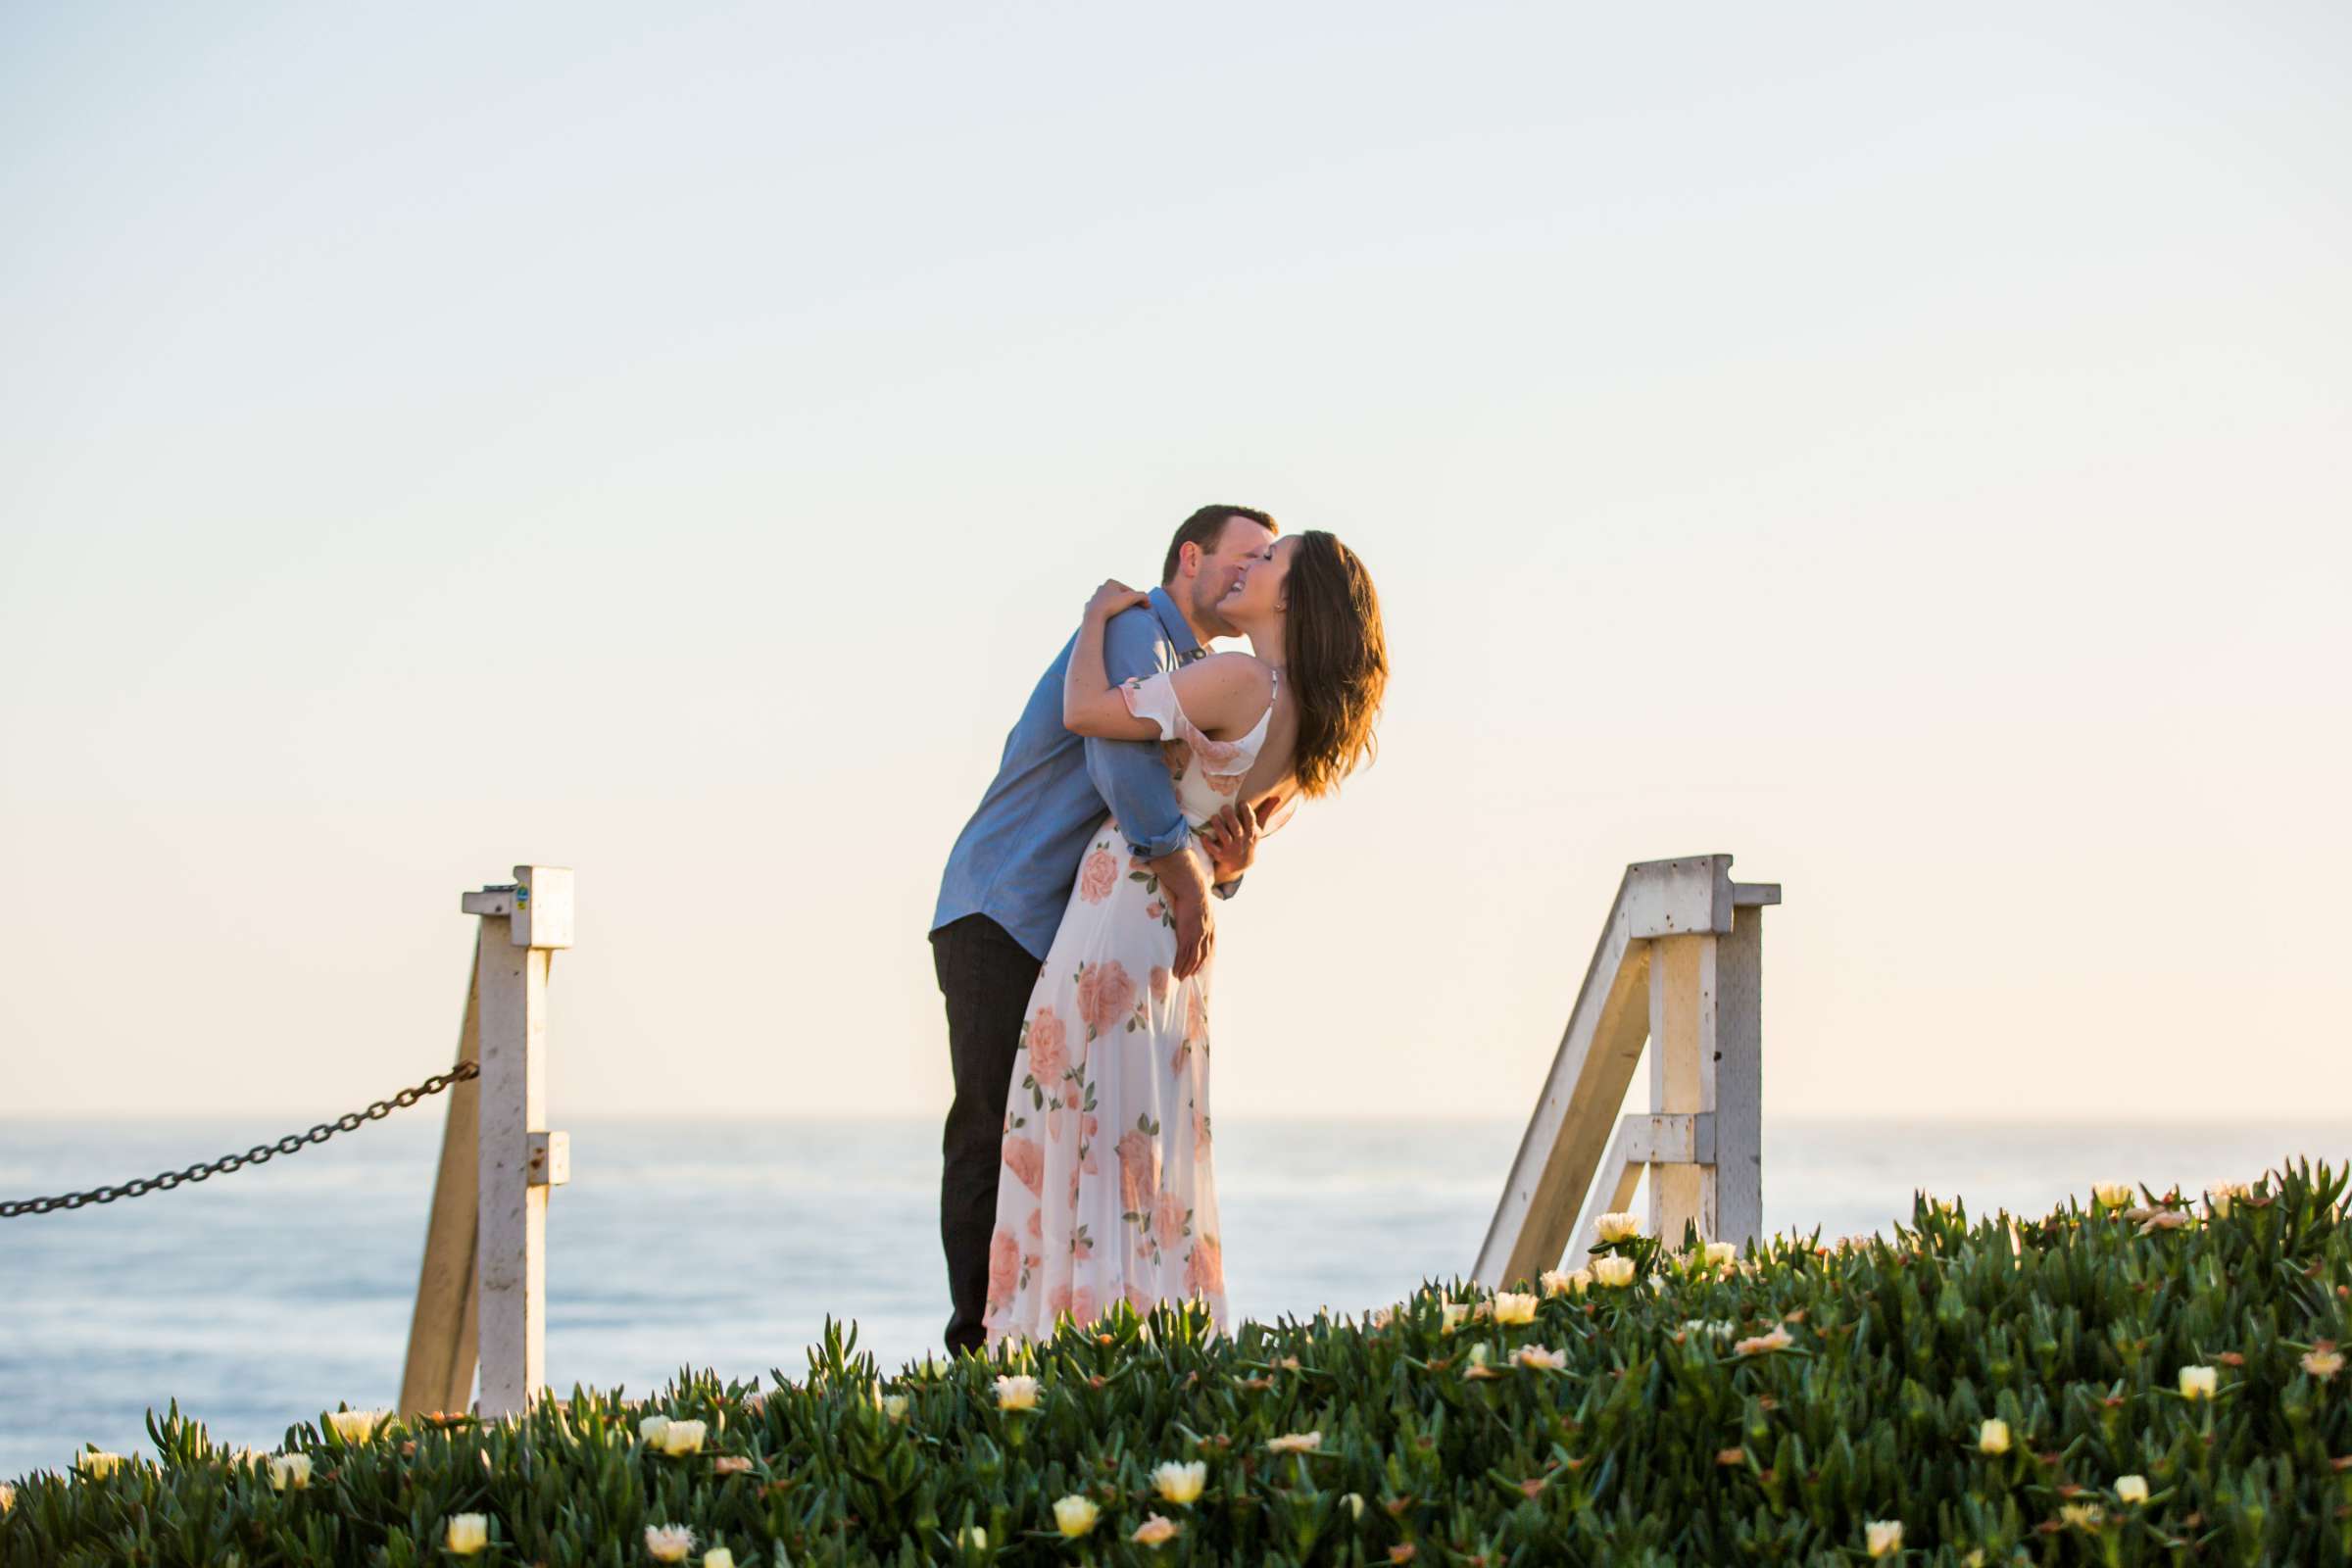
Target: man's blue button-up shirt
[(1018, 855)]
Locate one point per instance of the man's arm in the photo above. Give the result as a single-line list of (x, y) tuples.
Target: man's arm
[(1132, 776)]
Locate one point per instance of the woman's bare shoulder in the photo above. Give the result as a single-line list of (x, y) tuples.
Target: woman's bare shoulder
[(1225, 689)]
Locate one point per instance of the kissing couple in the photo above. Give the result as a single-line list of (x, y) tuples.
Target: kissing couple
[(1073, 934)]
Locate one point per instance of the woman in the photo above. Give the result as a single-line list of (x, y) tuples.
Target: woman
[(1106, 1192)]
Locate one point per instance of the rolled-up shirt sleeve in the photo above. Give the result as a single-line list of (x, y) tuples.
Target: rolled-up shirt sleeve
[(1132, 775)]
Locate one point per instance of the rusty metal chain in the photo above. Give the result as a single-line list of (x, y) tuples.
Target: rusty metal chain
[(257, 1155)]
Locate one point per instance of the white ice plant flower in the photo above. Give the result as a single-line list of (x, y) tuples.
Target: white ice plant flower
[(668, 1543), (355, 1426), (1180, 1483), (1016, 1393), (1614, 1272), (468, 1533), (1510, 1307), (1617, 1227), (1075, 1515)]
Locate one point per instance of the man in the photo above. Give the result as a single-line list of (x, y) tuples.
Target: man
[(1010, 875)]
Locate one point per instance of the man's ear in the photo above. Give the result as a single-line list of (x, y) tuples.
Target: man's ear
[(1187, 560)]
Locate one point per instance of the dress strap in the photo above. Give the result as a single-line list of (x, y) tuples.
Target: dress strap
[(1263, 719)]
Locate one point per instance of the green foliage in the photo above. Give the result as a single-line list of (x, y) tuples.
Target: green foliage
[(1680, 1429)]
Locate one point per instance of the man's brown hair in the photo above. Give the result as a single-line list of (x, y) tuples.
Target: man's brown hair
[(1204, 529)]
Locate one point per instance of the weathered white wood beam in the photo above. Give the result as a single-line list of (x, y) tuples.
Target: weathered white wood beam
[(438, 1374), (1740, 1079)]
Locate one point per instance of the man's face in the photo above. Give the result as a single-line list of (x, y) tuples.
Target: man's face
[(1244, 540)]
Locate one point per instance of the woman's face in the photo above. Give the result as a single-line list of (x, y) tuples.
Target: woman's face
[(1258, 590)]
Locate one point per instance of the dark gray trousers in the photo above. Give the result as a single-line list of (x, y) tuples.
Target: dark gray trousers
[(985, 977)]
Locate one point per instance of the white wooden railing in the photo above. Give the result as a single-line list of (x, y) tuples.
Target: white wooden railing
[(1678, 967)]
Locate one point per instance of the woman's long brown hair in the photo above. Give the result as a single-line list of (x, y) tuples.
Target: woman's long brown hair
[(1339, 661)]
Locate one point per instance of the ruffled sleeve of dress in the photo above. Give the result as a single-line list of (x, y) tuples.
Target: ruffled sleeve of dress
[(1154, 697)]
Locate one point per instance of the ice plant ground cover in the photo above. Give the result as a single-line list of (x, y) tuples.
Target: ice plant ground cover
[(2154, 1378)]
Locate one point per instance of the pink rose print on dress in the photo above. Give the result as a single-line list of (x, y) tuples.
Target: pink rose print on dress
[(1195, 1016), (1204, 1267), (1137, 1298), (1167, 1219), (1081, 1305), (1199, 1137), (1037, 1223), (1048, 1049), (1162, 982), (1104, 994), (1003, 1265), (1058, 1301), (1139, 1171), (1214, 755), (1178, 756), (1098, 876), (1025, 1157), (1061, 1117)]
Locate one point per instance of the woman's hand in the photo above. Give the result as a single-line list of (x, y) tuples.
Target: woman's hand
[(1231, 838), (1111, 597)]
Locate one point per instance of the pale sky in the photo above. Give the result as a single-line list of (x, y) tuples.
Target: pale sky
[(1906, 450)]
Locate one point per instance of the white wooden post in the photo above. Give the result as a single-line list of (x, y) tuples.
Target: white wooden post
[(1682, 1079), (518, 1160)]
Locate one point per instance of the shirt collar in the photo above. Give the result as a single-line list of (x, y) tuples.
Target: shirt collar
[(1179, 630)]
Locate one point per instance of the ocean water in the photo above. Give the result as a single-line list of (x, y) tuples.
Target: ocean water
[(260, 1299)]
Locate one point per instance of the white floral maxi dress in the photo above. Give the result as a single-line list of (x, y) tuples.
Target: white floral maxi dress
[(1106, 1191)]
